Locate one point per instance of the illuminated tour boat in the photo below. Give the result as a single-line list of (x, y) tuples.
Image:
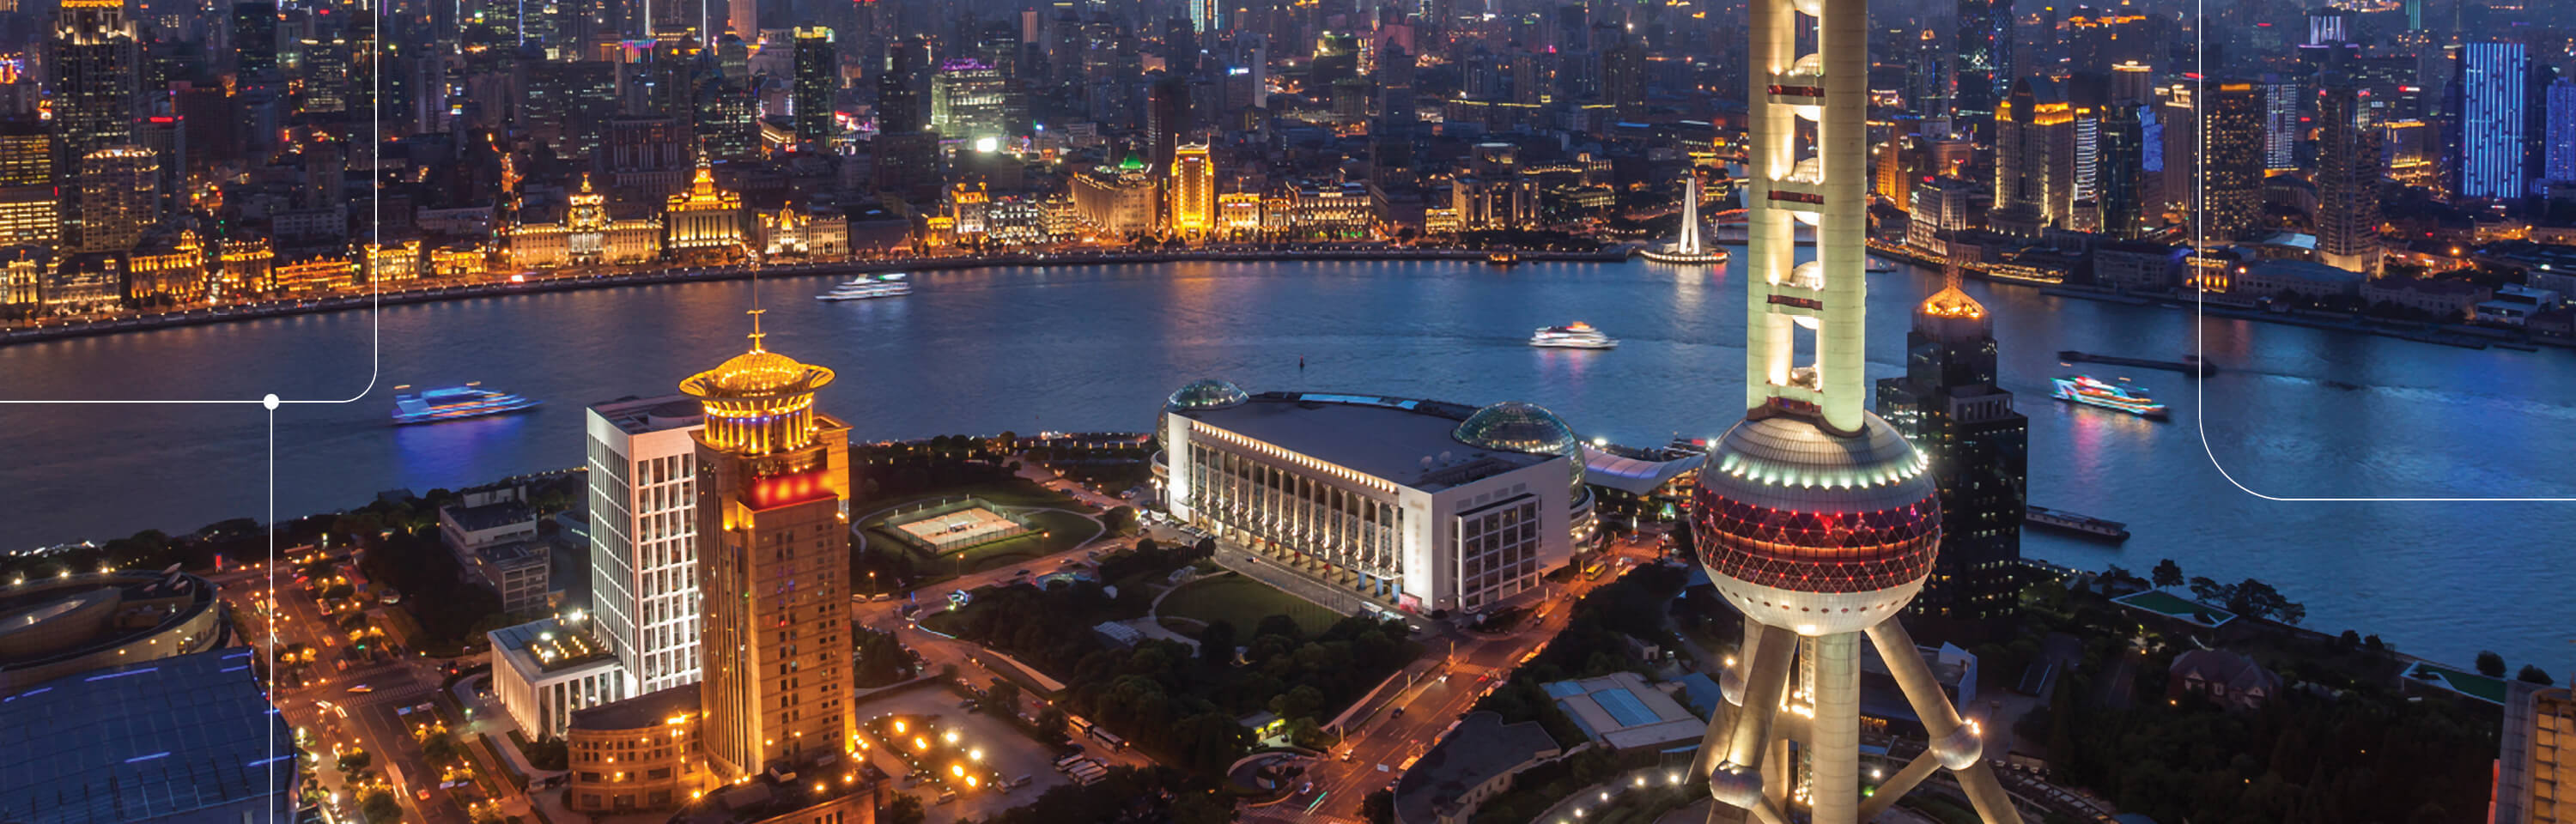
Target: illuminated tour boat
[(455, 403), (1578, 335), (2085, 390)]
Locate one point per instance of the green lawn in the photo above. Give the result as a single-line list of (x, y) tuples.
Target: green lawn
[(2466, 683), (2167, 604), (1013, 492), (1243, 602)]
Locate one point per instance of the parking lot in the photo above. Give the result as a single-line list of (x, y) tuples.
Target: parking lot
[(1010, 752)]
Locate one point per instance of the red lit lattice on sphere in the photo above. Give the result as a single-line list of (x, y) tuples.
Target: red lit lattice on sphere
[(1815, 551)]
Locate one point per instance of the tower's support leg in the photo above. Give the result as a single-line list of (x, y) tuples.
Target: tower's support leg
[(1833, 765), (1958, 749), (1737, 778), (1899, 784)]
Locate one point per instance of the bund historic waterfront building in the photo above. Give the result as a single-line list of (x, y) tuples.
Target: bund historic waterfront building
[(773, 485)]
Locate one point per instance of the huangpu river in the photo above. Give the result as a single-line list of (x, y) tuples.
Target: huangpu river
[(2296, 413)]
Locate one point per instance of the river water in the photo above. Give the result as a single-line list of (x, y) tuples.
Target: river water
[(2297, 412)]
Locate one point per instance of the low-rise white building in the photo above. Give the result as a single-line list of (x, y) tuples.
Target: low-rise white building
[(1393, 502), (544, 670)]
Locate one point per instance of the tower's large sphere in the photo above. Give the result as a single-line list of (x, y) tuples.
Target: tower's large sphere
[(1813, 531)]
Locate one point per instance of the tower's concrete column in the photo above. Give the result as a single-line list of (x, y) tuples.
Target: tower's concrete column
[(1833, 771)]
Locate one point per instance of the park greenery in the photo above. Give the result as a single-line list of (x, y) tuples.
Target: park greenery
[(882, 660), (451, 611), (1126, 795)]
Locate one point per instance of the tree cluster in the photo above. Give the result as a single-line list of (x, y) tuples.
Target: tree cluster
[(452, 612)]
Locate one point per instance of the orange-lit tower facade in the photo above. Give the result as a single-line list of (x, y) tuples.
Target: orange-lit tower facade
[(1193, 190), (773, 564)]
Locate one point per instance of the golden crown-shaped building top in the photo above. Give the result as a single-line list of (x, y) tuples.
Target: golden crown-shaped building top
[(759, 401), (1952, 303)]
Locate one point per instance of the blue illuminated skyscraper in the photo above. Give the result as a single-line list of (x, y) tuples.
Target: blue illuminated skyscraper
[(2494, 96), (1984, 63), (2558, 137)]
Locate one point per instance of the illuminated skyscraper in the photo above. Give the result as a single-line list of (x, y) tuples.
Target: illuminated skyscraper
[(2558, 139), (2493, 93), (1193, 187), (96, 64), (2035, 148), (1816, 519), (1983, 61), (773, 480), (2229, 193), (28, 211), (2347, 179), (120, 195), (968, 100), (818, 78), (643, 537), (1979, 449)]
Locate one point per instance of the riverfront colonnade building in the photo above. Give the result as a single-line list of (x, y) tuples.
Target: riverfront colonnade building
[(773, 481), (1816, 519), (1374, 503), (642, 457)]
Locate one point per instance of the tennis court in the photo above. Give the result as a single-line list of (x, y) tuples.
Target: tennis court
[(959, 529)]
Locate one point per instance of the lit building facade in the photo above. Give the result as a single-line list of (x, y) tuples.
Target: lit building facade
[(2347, 177), (2229, 193), (773, 532), (642, 462), (635, 755), (1814, 518), (2494, 79), (1947, 404), (969, 100), (1118, 201), (587, 236), (704, 223), (2035, 148), (120, 196), (2536, 756), (1193, 190), (1411, 504), (29, 208)]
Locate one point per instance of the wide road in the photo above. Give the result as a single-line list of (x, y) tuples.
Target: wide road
[(1382, 744), (330, 713)]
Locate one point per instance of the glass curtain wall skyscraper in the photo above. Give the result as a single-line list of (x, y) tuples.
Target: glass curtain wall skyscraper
[(2493, 92)]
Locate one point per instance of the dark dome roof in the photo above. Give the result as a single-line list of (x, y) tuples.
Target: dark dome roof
[(1207, 394)]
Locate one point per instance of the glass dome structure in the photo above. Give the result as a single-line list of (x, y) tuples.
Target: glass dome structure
[(1207, 394), (1513, 426)]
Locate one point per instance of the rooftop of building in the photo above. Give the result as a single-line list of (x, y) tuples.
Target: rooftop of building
[(1635, 476), (640, 415), (1624, 712), (489, 516), (32, 632), (180, 735), (548, 645), (649, 709), (1404, 440), (1479, 748), (772, 795), (513, 553), (2308, 271)]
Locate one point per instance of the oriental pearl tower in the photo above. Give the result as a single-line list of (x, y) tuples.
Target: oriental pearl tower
[(1814, 517)]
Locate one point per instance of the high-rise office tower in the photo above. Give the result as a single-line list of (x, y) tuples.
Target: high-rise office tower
[(2491, 119), (2229, 194), (900, 107), (1816, 519), (120, 196), (773, 481), (2280, 125), (1947, 404), (818, 79), (29, 213), (1984, 61), (2121, 173), (2347, 179), (2035, 149), (1167, 107), (254, 38), (2558, 141), (642, 461), (96, 63), (1207, 15), (1193, 200), (969, 100)]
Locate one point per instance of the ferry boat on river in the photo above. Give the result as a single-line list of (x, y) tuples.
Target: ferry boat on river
[(882, 286), (2071, 522), (1578, 335), (455, 403), (2089, 392)]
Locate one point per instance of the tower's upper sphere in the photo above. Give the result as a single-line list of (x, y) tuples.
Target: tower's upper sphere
[(1813, 531)]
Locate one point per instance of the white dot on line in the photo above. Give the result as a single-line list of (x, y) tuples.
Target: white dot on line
[(269, 400)]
